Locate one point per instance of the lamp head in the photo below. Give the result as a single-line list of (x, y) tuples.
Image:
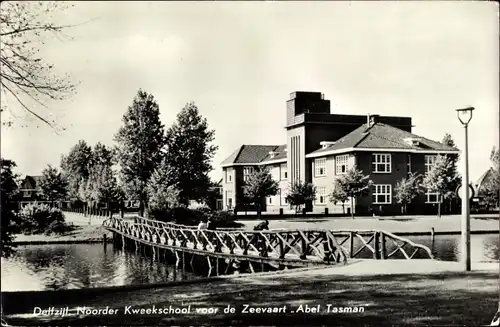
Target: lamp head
[(465, 115)]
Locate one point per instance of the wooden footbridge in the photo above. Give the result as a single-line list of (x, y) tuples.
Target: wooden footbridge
[(275, 248)]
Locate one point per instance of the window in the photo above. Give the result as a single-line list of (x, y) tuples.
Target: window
[(283, 172), (381, 163), (275, 173), (321, 195), (27, 194), (431, 197), (247, 171), (429, 162), (341, 164), (319, 167), (229, 175), (382, 194), (270, 200), (283, 200), (229, 199)]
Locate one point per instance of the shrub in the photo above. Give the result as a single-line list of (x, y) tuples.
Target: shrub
[(191, 217), (224, 219), (57, 227), (38, 217)]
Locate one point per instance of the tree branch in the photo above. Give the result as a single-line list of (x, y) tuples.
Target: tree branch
[(25, 107)]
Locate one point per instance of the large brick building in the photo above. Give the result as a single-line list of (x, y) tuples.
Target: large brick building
[(321, 146)]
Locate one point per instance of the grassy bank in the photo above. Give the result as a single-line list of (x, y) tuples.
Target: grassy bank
[(79, 233), (442, 298), (411, 224)]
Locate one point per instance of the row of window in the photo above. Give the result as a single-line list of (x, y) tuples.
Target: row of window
[(381, 163), (247, 171), (341, 165), (381, 194), (282, 197)]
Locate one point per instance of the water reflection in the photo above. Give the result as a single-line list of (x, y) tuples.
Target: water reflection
[(55, 267), (484, 248)]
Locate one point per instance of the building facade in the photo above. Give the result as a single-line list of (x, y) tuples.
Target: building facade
[(29, 190), (321, 146)]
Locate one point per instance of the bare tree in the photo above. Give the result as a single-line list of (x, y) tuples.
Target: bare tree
[(24, 74)]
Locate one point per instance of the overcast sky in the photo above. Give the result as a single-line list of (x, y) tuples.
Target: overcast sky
[(240, 60)]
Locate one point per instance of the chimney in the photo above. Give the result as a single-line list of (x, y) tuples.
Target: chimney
[(371, 119)]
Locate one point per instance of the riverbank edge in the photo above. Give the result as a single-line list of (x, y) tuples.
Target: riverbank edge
[(109, 240), (15, 296), (57, 298)]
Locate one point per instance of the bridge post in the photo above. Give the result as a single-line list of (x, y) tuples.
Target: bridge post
[(209, 266), (351, 244), (305, 248), (178, 260), (383, 253), (183, 263), (376, 247), (191, 263), (326, 247)]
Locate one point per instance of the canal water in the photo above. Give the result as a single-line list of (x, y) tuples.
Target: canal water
[(55, 267), (70, 266)]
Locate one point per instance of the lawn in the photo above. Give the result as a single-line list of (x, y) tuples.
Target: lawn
[(79, 233), (394, 225), (445, 298)]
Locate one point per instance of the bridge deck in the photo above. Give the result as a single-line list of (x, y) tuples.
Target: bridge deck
[(225, 253), (297, 247)]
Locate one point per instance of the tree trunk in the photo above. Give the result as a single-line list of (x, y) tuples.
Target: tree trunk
[(141, 208), (439, 206), (258, 210), (122, 209), (352, 209), (343, 208)]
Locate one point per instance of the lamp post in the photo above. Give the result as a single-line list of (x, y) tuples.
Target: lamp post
[(465, 116)]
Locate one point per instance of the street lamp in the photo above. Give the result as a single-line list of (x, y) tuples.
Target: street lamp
[(465, 116)]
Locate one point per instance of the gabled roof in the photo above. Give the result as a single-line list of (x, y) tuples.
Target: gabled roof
[(483, 180), (32, 182), (384, 137), (280, 154), (254, 154)]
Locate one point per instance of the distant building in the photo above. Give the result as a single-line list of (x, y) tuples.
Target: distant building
[(214, 201), (479, 201), (29, 190), (217, 188), (321, 146)]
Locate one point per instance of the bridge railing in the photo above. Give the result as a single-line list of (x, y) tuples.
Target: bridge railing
[(326, 245)]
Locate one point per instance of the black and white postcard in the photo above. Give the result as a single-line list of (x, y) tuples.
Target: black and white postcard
[(250, 163)]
